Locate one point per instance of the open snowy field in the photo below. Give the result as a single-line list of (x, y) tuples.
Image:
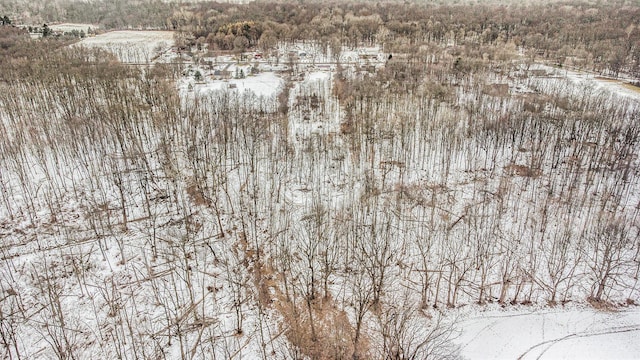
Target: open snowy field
[(551, 333), (132, 46), (68, 27)]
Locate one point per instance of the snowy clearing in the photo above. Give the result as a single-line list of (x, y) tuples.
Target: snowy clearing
[(132, 46), (593, 82), (578, 333), (264, 84)]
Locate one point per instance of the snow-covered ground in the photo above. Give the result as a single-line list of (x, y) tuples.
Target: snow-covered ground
[(302, 125), (522, 332), (132, 46), (264, 84), (591, 82), (550, 333), (68, 27), (178, 253)]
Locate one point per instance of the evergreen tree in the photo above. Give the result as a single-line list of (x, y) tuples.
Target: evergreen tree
[(46, 31)]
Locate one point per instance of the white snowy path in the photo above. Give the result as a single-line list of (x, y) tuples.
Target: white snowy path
[(551, 334)]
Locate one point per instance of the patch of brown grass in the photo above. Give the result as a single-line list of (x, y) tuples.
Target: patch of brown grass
[(196, 195), (631, 87), (522, 170), (320, 331), (602, 305)]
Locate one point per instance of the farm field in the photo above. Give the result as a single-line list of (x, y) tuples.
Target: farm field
[(68, 27), (132, 46)]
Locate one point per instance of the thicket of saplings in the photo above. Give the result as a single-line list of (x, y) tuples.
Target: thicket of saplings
[(337, 222)]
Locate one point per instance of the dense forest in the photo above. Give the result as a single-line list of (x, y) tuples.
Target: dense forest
[(601, 36), (343, 218)]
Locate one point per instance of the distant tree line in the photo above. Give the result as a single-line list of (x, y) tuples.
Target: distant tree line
[(602, 36), (115, 14)]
